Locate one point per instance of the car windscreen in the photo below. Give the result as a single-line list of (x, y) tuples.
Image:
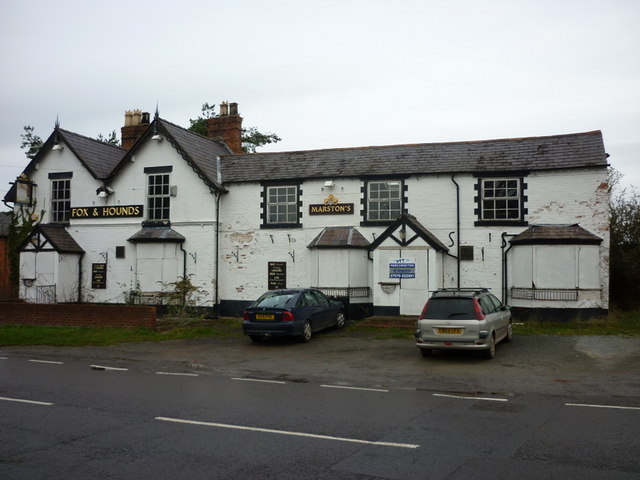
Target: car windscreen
[(450, 308), (283, 300)]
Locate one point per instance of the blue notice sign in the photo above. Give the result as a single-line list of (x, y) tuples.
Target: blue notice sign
[(402, 268)]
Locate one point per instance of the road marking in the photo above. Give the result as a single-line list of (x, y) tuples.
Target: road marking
[(356, 388), (46, 361), (618, 407), (178, 374), (4, 358), (285, 432), (102, 367), (258, 380), (21, 400), (469, 397)]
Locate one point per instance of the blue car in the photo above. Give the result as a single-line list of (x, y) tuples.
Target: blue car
[(297, 312)]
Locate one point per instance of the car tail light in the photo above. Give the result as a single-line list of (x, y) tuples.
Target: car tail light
[(424, 311), (287, 317), (246, 316), (478, 310)]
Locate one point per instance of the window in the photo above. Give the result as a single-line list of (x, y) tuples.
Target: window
[(501, 201), (281, 206), (384, 201), (60, 200), (158, 197)]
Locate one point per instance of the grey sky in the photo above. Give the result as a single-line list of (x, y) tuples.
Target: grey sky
[(328, 73)]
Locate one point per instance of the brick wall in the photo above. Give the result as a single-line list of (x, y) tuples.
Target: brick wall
[(83, 315)]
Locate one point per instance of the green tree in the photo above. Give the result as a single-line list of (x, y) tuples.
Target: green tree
[(111, 139), (31, 142), (624, 261), (251, 137)]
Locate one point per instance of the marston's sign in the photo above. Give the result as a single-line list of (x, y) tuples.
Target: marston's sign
[(331, 206), (107, 212)]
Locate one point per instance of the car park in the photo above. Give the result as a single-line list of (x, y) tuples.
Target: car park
[(298, 312), (463, 319)]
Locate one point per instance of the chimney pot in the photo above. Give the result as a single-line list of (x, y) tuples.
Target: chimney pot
[(233, 108), (145, 117), (128, 118), (224, 109)]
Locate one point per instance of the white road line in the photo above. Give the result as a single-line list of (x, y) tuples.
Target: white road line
[(178, 374), (468, 397), (618, 407), (102, 367), (46, 361), (4, 358), (356, 388), (21, 400), (285, 432), (258, 380)]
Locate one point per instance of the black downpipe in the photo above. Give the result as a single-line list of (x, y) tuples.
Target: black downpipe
[(504, 266), (216, 305), (80, 278), (184, 274), (457, 225)]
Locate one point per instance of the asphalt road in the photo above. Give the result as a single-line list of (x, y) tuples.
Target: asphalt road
[(351, 407)]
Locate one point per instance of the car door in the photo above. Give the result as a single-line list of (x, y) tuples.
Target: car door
[(324, 311), (502, 316)]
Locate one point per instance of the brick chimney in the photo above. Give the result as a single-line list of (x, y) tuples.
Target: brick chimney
[(135, 124), (227, 126)]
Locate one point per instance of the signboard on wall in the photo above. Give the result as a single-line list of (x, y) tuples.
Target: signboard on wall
[(107, 212), (277, 275), (331, 206), (98, 275), (402, 268)]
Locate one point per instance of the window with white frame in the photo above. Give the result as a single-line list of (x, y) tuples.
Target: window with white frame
[(158, 196), (384, 200), (501, 199), (60, 200), (282, 204)]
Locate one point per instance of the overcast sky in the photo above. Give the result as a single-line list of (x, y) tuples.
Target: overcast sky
[(324, 74)]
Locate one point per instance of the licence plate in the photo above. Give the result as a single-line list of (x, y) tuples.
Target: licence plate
[(262, 316), (450, 331)]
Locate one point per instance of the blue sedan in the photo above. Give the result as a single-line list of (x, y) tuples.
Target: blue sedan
[(295, 312)]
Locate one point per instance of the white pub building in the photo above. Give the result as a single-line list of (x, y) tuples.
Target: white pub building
[(379, 227)]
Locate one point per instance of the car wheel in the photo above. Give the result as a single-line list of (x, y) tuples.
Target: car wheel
[(340, 320), (307, 332), (509, 332), (256, 338), (426, 352), (491, 351)]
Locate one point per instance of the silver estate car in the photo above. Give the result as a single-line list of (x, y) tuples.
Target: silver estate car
[(463, 318)]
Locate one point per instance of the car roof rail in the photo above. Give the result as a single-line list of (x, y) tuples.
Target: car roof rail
[(463, 289)]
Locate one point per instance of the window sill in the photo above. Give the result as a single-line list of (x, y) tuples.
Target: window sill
[(501, 223), (280, 225)]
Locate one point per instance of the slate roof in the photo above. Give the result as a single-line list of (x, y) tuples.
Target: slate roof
[(577, 150), (339, 237), (98, 158), (59, 238), (201, 153), (554, 234), (156, 234)]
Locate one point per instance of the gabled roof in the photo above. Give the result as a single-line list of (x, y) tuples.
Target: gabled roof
[(339, 237), (578, 150), (97, 157), (199, 152), (52, 237), (405, 220), (555, 234)]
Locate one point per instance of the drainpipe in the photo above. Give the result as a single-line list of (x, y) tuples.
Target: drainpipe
[(457, 225), (80, 278), (505, 287), (217, 255), (184, 273)]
